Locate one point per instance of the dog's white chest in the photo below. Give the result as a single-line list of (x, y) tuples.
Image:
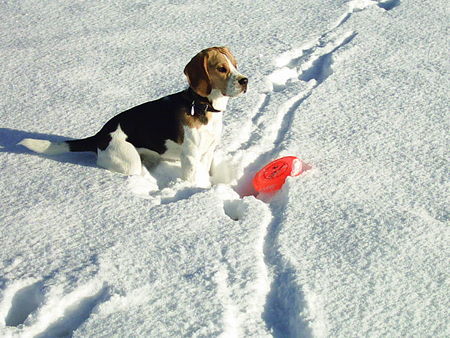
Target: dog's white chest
[(198, 149), (197, 140), (205, 137), (209, 134)]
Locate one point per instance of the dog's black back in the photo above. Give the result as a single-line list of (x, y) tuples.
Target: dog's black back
[(148, 125)]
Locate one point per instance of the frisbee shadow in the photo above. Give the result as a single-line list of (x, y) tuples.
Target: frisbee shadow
[(244, 186), (9, 139)]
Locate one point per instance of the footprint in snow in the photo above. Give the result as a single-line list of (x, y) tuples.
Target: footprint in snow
[(23, 302), (37, 313)]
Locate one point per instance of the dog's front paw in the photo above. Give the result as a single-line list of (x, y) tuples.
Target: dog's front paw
[(196, 176), (202, 182), (224, 171)]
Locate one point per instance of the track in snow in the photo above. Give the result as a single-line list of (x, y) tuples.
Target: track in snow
[(29, 309), (299, 72)]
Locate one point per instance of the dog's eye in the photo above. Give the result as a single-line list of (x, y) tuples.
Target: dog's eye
[(222, 69)]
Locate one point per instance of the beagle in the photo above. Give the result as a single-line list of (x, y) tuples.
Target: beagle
[(186, 125)]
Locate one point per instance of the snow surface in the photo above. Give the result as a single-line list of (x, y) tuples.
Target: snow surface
[(355, 246)]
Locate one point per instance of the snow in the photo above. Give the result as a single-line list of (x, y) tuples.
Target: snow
[(355, 246)]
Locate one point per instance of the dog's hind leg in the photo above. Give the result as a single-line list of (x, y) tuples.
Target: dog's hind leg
[(149, 158), (120, 155)]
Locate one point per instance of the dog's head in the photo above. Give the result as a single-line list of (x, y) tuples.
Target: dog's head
[(215, 68)]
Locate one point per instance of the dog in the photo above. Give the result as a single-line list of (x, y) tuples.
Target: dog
[(184, 126)]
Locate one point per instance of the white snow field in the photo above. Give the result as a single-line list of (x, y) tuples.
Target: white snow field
[(357, 246)]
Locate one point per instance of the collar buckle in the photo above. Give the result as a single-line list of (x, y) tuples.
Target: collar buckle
[(200, 105)]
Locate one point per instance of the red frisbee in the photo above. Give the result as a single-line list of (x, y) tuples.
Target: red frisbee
[(272, 177)]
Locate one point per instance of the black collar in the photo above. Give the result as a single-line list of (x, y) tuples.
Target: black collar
[(200, 104)]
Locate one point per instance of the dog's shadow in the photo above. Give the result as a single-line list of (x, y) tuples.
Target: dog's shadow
[(9, 139), (164, 173)]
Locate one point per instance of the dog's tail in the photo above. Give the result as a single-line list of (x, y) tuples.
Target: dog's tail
[(55, 148)]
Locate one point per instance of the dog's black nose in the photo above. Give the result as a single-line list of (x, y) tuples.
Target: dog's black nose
[(243, 81)]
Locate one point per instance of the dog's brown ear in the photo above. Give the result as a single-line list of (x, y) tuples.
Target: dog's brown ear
[(225, 50), (197, 73)]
